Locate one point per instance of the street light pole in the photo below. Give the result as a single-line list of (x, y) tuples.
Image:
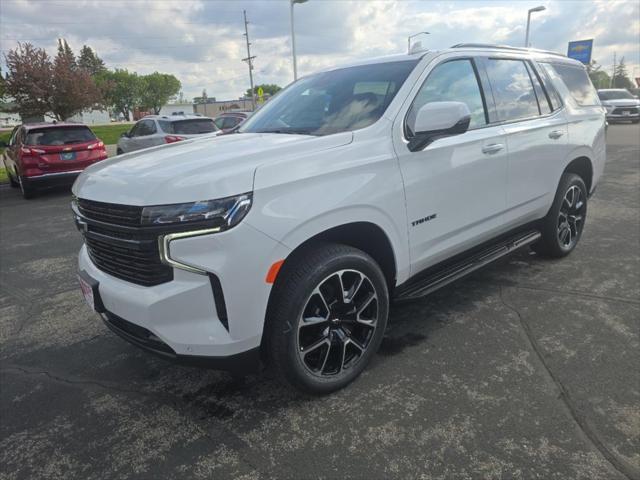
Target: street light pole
[(293, 39), (531, 10), (410, 37)]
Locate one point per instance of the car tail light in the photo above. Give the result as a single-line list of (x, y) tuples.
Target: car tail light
[(99, 146), (31, 151), (172, 138)]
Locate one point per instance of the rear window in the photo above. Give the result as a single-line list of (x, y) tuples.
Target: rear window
[(578, 83), (59, 136), (189, 127)]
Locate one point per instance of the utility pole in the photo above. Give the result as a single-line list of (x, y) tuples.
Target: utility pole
[(249, 60), (614, 71)]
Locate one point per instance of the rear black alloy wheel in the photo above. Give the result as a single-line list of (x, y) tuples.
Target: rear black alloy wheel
[(562, 228), (337, 323), (571, 217)]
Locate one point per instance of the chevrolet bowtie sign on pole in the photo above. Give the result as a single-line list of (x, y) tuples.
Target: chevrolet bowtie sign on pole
[(581, 50)]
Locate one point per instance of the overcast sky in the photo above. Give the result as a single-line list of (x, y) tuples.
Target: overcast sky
[(201, 41)]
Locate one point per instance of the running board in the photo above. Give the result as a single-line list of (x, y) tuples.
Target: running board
[(478, 259)]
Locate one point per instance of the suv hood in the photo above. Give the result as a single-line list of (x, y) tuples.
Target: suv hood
[(199, 169)]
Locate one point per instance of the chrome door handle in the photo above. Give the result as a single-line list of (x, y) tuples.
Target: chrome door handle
[(493, 148), (556, 134)]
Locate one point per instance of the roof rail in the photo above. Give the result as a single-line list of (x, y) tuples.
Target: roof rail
[(504, 47)]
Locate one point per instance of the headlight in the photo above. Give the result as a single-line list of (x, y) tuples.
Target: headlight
[(224, 212)]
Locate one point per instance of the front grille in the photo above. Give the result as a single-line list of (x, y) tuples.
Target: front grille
[(621, 110), (111, 212), (118, 245)]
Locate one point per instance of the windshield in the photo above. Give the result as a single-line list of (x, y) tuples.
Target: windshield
[(337, 101), (189, 127), (59, 136), (615, 95)]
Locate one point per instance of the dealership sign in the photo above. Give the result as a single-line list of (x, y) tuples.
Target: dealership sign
[(580, 50)]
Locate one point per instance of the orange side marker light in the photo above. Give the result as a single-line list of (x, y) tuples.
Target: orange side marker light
[(273, 271)]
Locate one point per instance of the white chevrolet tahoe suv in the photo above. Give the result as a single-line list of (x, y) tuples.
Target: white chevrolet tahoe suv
[(284, 241)]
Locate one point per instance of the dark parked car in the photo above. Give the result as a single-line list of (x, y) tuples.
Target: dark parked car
[(42, 155), (230, 120)]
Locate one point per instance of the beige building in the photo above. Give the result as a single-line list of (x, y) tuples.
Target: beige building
[(214, 109)]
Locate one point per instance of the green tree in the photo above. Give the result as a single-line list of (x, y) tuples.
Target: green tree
[(157, 89), (73, 88), (269, 89), (599, 78), (89, 61), (621, 77), (29, 80), (120, 90)]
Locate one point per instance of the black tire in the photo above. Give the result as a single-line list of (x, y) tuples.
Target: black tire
[(563, 226), (306, 283), (119, 151), (28, 192), (12, 181)]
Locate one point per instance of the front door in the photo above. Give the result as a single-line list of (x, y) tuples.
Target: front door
[(456, 187)]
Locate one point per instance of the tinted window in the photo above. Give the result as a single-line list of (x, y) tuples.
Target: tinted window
[(578, 83), (144, 127), (189, 127), (512, 89), (59, 136), (453, 81), (337, 101)]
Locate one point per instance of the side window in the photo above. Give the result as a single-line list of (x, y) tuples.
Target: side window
[(219, 122), (134, 130), (547, 75), (578, 83), (543, 99), (512, 89), (453, 81), (166, 126), (145, 127)]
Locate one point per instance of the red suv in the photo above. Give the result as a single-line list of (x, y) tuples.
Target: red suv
[(44, 155)]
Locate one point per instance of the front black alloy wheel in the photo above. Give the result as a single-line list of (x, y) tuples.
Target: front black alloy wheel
[(327, 317), (337, 323)]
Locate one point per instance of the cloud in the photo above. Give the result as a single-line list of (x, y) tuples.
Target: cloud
[(202, 43)]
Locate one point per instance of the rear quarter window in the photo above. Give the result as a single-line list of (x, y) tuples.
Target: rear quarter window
[(59, 136), (577, 82)]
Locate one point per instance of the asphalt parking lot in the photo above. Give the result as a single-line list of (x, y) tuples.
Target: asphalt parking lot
[(526, 369)]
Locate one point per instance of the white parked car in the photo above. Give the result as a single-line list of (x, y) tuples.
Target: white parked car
[(387, 178), (154, 130), (620, 104)]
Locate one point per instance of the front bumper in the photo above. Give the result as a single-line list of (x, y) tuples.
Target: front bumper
[(614, 117), (183, 314)]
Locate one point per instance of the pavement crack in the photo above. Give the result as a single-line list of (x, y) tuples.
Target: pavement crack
[(580, 419)]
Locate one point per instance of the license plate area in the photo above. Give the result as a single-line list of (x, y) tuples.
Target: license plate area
[(90, 291), (68, 156)]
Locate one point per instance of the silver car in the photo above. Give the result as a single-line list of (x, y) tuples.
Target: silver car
[(155, 130), (621, 105)]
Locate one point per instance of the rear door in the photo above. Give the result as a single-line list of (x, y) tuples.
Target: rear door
[(456, 187), (536, 136)]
